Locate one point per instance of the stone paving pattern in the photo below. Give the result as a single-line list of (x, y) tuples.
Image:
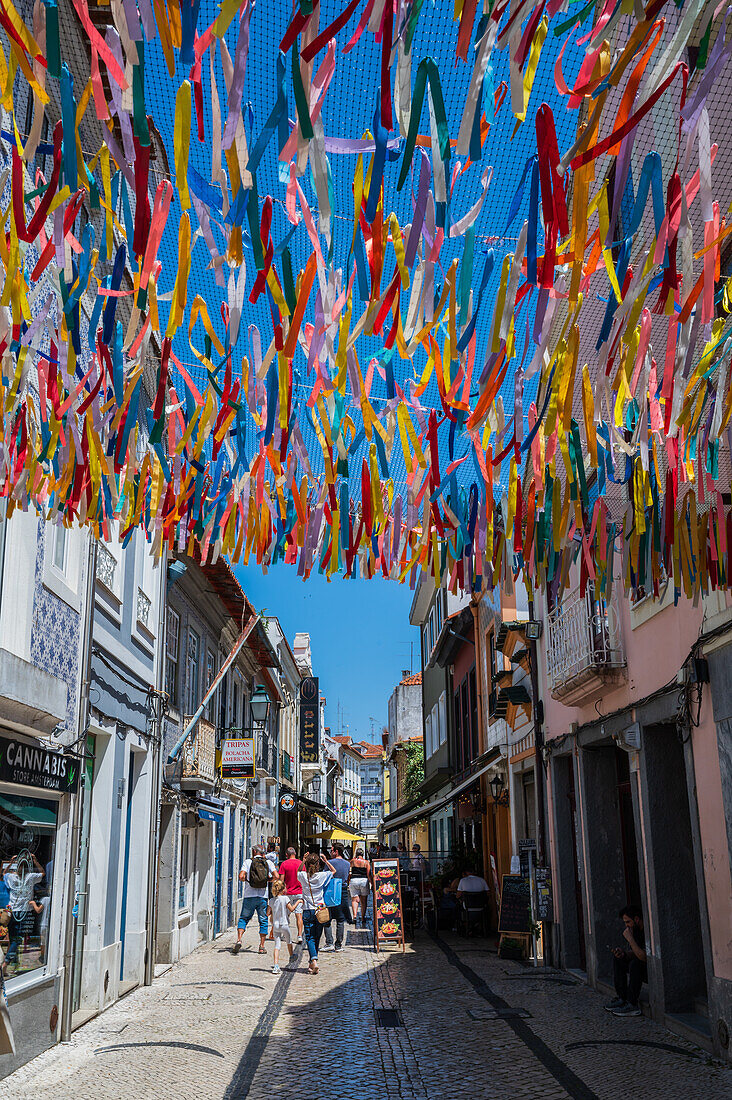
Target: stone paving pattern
[(219, 1027)]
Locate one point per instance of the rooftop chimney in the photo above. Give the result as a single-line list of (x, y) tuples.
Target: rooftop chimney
[(406, 672)]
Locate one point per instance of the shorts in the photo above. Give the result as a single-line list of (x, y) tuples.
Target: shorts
[(359, 886), (249, 907), (281, 935), (296, 900)]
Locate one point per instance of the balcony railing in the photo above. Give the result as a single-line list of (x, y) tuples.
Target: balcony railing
[(199, 752), (584, 646)]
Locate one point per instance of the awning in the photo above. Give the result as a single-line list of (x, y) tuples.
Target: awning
[(210, 809), (398, 819), (327, 814), (40, 818)]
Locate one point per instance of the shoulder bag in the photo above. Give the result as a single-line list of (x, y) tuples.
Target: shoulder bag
[(322, 912)]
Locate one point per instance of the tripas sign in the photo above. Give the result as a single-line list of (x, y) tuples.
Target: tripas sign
[(36, 766)]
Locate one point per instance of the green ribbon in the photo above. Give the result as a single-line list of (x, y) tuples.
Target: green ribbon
[(301, 102), (427, 70)]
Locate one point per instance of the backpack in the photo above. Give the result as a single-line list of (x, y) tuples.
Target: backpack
[(258, 873)]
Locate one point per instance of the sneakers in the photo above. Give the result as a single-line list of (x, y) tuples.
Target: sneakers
[(237, 947), (617, 1002), (328, 947), (299, 939), (627, 1010), (276, 969), (339, 947)]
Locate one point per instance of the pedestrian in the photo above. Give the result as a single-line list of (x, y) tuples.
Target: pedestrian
[(273, 852), (293, 888), (279, 910), (315, 874), (255, 874), (630, 968), (342, 912), (359, 885), (418, 862)]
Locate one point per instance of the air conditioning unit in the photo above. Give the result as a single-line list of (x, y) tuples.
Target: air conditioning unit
[(629, 739)]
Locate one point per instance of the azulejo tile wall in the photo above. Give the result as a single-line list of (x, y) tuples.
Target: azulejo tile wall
[(56, 633)]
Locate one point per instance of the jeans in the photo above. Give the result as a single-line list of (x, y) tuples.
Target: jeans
[(249, 907), (340, 931), (629, 974), (313, 930)]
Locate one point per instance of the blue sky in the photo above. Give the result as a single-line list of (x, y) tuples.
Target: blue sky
[(359, 634)]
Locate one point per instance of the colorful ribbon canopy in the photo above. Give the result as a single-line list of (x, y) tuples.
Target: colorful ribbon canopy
[(341, 360)]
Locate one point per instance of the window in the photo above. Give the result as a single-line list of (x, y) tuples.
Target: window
[(143, 609), (435, 728), (210, 677), (235, 706), (428, 750), (59, 548), (172, 644), (184, 870), (106, 567), (192, 655), (442, 718), (27, 842)]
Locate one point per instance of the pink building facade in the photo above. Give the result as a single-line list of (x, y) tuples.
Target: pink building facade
[(638, 728)]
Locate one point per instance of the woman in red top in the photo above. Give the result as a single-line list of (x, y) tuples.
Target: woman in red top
[(293, 888)]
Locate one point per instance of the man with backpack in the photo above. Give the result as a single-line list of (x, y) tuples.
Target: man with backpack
[(255, 874)]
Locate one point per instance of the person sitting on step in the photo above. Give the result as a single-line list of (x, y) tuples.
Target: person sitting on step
[(630, 967)]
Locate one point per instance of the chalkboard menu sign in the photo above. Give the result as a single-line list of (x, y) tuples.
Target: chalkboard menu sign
[(544, 902), (515, 905), (388, 921)]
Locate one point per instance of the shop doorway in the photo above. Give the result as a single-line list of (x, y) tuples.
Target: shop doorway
[(611, 850), (218, 866), (82, 890), (678, 911), (132, 777), (569, 864)]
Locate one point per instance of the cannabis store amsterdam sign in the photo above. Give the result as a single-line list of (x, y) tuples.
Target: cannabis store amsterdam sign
[(35, 766)]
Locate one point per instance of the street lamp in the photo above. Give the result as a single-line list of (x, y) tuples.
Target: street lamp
[(259, 705), (496, 786), (315, 783)]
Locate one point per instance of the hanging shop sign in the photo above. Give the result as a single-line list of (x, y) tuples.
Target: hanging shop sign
[(527, 856), (36, 766), (288, 802), (237, 758), (388, 919), (310, 720)]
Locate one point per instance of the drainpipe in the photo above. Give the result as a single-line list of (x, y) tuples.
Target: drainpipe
[(176, 750), (67, 1002), (151, 913)]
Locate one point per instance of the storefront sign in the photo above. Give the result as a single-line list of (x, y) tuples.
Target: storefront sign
[(35, 766), (544, 904), (237, 758), (515, 905), (310, 720), (388, 920), (288, 802)]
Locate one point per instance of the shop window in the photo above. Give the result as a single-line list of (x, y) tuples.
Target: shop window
[(172, 650), (184, 870), (27, 843)]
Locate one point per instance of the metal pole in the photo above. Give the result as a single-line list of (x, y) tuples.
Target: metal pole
[(151, 912), (67, 1002), (175, 751)]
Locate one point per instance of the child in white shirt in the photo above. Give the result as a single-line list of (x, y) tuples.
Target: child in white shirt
[(279, 910)]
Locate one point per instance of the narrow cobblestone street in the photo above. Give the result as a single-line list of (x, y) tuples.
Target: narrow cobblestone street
[(220, 1027)]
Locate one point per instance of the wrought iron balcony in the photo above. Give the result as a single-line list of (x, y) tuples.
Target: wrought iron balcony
[(199, 754), (584, 649)]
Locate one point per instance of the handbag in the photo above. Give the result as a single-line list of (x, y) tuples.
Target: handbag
[(322, 912), (333, 893)]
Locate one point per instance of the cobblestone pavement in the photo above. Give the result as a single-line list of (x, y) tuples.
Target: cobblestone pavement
[(219, 1027)]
